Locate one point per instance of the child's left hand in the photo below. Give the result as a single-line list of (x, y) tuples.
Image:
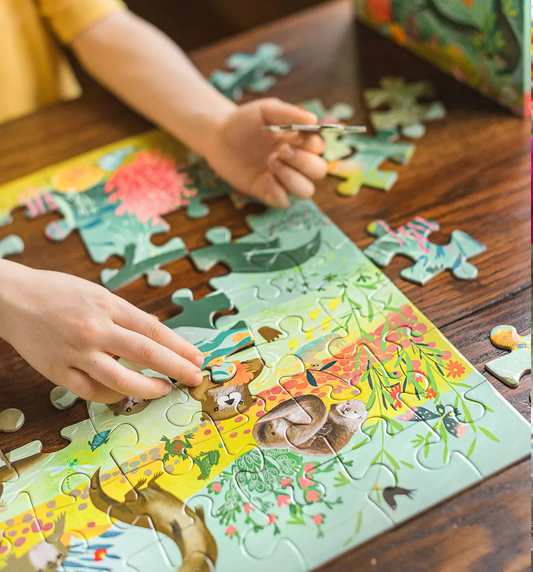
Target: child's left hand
[(267, 165)]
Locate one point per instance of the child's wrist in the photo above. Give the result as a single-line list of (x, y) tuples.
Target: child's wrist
[(9, 277)]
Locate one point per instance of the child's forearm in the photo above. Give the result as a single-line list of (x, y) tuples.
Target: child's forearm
[(148, 71)]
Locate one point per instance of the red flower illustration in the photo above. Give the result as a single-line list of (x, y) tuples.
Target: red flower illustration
[(430, 393), (286, 482), (312, 496), (230, 531), (455, 369), (318, 519), (248, 508), (305, 482), (243, 375), (271, 519), (149, 187), (395, 392), (100, 554), (215, 488), (284, 500)]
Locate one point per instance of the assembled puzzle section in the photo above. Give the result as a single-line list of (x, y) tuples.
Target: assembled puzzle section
[(11, 245), (324, 418), (482, 43), (116, 198)]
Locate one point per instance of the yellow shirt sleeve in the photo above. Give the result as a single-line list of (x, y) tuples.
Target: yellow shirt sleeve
[(70, 17)]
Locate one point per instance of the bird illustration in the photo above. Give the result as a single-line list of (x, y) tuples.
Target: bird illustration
[(390, 494), (448, 418)]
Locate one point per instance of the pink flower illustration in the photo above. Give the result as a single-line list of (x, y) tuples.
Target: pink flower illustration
[(312, 496), (286, 482), (230, 531), (149, 187), (305, 482), (284, 500), (215, 488), (309, 468), (271, 519), (248, 508), (318, 519)]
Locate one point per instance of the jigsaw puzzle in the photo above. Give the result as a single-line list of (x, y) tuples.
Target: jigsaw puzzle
[(403, 108), (251, 72), (11, 245), (512, 366), (331, 410), (116, 198), (430, 259)]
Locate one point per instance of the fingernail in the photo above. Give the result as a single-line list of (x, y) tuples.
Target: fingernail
[(198, 379), (287, 152), (168, 389), (199, 360)]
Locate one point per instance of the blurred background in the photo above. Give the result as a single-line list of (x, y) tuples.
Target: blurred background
[(196, 24)]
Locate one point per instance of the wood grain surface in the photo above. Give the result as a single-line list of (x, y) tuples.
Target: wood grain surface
[(471, 172)]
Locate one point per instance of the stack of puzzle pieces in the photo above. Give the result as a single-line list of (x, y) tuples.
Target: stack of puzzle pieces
[(331, 410)]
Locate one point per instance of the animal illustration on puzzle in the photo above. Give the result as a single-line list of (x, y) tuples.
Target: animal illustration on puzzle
[(323, 419)]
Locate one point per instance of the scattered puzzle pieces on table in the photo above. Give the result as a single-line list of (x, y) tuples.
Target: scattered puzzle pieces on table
[(430, 259), (11, 420), (251, 72), (11, 245), (512, 366), (404, 110)]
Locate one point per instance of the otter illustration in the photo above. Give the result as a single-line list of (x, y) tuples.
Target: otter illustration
[(225, 401), (129, 406), (46, 556), (168, 514), (304, 425)]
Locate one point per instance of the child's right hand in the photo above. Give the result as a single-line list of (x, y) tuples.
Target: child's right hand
[(69, 330)]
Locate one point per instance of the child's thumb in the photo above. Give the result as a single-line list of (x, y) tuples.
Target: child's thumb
[(277, 112)]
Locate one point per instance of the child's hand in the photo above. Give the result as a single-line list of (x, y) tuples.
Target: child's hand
[(267, 165), (69, 330)]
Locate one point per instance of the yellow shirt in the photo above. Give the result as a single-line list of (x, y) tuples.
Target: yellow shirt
[(33, 69)]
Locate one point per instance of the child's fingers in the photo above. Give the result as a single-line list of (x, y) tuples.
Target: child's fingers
[(312, 143), (136, 320), (277, 112), (87, 388), (310, 165), (292, 180), (270, 191), (107, 371), (143, 351)]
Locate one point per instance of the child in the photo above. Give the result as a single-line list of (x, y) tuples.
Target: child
[(69, 329)]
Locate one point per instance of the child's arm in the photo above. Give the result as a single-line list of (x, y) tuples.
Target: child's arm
[(69, 330), (150, 72)]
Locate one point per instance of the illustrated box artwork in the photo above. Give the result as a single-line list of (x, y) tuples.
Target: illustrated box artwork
[(482, 43), (331, 410)]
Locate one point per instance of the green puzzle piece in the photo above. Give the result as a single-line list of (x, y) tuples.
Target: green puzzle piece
[(430, 259), (252, 72), (512, 366), (362, 169), (198, 313), (339, 112), (11, 245), (404, 110)]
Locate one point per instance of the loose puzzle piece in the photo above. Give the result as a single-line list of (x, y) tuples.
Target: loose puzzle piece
[(11, 420), (511, 367), (340, 112), (404, 110), (252, 72), (11, 245), (362, 169), (430, 259)]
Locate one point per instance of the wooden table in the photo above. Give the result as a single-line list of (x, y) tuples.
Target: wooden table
[(470, 171)]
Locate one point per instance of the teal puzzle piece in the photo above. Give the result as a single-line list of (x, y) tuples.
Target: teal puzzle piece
[(253, 72), (430, 259), (11, 245)]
